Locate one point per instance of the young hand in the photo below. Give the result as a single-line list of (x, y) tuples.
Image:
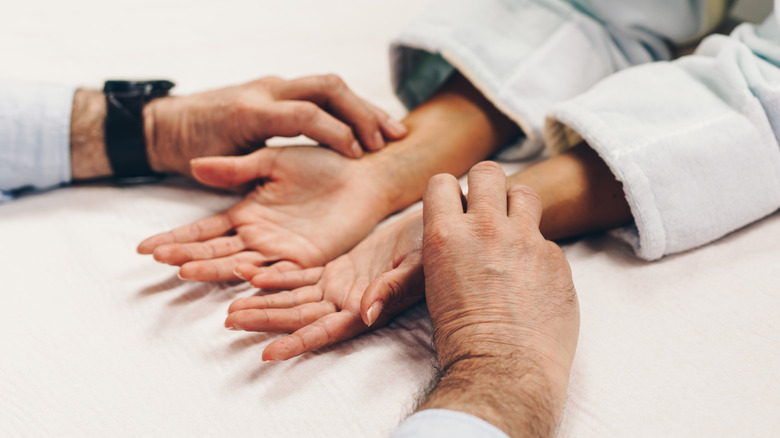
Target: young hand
[(311, 205), (369, 285)]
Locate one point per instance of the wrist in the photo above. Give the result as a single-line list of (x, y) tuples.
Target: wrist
[(88, 155), (157, 161), (515, 393)]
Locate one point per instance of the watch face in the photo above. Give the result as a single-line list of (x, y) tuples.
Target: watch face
[(154, 88)]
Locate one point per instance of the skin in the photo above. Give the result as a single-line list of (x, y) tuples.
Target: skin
[(578, 195), (323, 305), (234, 121), (502, 301), (312, 205)]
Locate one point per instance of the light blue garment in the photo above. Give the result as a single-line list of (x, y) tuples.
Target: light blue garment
[(34, 136), (527, 55), (442, 423), (694, 141)]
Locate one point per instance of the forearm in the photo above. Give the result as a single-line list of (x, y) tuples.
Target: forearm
[(515, 394), (579, 193), (449, 133)]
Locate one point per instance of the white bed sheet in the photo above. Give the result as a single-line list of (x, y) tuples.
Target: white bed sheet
[(98, 341)]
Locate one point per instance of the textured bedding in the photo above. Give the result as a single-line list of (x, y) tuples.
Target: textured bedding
[(96, 340)]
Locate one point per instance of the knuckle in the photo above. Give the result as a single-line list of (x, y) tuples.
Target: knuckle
[(305, 112), (437, 235), (267, 81), (440, 180), (332, 81), (487, 167), (526, 192)]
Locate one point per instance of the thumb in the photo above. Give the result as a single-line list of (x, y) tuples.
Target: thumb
[(233, 171), (393, 291)]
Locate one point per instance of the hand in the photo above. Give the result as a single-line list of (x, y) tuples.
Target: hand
[(239, 119), (502, 301), (493, 283), (311, 206), (369, 285)]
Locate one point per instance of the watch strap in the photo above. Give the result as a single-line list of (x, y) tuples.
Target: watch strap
[(124, 128)]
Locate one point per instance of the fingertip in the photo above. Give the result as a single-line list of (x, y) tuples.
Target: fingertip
[(377, 142), (355, 150), (231, 324), (188, 272), (279, 350), (394, 129), (373, 313), (144, 248)]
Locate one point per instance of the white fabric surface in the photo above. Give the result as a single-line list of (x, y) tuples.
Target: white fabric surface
[(98, 341)]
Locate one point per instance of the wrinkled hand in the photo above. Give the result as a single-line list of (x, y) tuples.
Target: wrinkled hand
[(494, 286), (236, 120), (369, 285), (311, 206)]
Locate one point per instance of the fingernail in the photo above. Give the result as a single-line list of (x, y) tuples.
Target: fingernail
[(374, 311), (234, 327), (238, 274), (378, 141), (396, 128), (178, 274), (357, 151), (270, 360)]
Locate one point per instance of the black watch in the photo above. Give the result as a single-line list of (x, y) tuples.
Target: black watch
[(124, 127)]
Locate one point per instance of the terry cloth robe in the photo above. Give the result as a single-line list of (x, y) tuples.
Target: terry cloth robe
[(693, 141)]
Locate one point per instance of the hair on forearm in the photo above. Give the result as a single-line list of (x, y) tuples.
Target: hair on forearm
[(509, 392)]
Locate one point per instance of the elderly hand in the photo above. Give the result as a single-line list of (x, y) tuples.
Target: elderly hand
[(311, 206), (236, 120), (327, 303), (502, 301)]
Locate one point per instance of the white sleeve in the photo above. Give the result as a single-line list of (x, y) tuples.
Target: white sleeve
[(527, 55), (34, 136), (694, 141), (443, 423)]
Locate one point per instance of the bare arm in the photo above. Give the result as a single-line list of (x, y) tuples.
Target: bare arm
[(233, 121), (319, 204), (450, 132), (578, 191)]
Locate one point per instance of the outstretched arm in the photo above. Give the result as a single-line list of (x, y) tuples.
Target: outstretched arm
[(233, 121), (314, 205)]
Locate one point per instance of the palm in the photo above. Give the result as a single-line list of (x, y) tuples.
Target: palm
[(326, 304), (311, 206)]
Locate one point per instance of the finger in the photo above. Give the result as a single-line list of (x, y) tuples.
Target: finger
[(487, 189), (442, 198), (392, 291), (234, 171), (203, 229), (290, 279), (330, 91), (525, 205), (292, 118), (180, 253), (247, 271), (391, 128), (330, 329), (278, 320), (220, 269), (279, 300)]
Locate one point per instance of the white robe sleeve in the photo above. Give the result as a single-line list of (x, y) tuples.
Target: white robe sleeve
[(527, 55), (694, 141)]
